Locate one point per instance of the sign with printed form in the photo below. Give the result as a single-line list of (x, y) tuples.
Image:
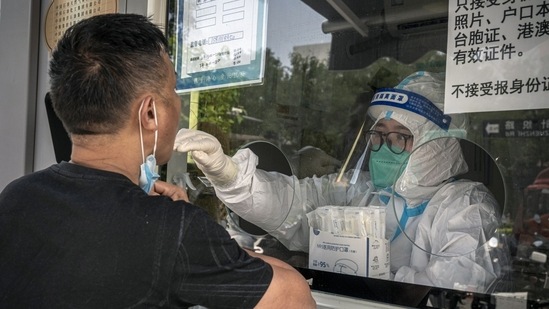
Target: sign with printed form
[(497, 56), (220, 43)]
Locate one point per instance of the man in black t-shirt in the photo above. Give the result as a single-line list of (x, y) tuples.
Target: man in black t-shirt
[(101, 231)]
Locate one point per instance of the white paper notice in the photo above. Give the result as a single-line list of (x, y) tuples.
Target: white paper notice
[(498, 55), (220, 34)]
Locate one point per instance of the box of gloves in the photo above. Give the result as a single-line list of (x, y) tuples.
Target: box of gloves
[(349, 240)]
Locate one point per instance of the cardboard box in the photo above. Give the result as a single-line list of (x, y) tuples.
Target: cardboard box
[(351, 255)]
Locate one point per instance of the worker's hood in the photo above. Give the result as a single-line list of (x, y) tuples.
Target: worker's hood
[(417, 103)]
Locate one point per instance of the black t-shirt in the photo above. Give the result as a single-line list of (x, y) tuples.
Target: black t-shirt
[(72, 236)]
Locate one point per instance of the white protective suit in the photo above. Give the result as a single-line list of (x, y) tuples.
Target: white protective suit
[(449, 220)]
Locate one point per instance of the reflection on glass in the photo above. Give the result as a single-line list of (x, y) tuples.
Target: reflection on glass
[(532, 228), (312, 106), (416, 162)]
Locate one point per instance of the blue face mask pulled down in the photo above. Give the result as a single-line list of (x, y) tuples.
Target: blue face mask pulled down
[(147, 174), (386, 166)]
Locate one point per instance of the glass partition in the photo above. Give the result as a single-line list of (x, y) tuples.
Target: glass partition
[(487, 236)]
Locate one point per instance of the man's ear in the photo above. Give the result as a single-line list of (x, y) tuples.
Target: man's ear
[(147, 114)]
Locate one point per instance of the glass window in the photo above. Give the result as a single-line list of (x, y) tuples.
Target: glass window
[(324, 64)]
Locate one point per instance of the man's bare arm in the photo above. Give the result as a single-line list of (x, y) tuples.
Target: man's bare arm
[(288, 288)]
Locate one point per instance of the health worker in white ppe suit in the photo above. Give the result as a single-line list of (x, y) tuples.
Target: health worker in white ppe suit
[(438, 225)]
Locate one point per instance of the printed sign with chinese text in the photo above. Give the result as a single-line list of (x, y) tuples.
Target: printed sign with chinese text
[(498, 56)]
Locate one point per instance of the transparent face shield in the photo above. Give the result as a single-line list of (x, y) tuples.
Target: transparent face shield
[(378, 154), (354, 199), (403, 120)]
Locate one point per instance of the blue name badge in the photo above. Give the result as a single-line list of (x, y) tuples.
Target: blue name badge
[(412, 102)]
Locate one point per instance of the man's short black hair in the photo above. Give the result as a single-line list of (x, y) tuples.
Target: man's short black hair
[(100, 65)]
